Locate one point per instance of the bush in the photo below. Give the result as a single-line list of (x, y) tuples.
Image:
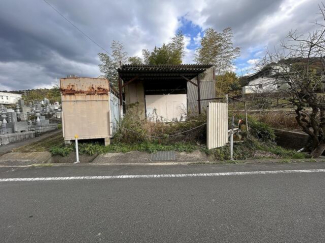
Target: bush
[(61, 150), (261, 130), (257, 129)]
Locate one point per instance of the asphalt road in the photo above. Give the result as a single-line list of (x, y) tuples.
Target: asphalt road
[(229, 208)]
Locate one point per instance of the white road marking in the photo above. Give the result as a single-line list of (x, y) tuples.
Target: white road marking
[(71, 178)]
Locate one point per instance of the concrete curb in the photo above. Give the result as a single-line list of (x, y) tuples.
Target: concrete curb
[(241, 162)]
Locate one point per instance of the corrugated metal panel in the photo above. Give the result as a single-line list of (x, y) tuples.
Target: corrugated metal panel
[(114, 113), (217, 127), (166, 108), (207, 92)]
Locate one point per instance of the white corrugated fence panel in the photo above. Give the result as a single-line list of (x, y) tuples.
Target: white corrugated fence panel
[(217, 126), (115, 113)]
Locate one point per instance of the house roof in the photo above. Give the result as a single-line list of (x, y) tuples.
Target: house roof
[(161, 72)]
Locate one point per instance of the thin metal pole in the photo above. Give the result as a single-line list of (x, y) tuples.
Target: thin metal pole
[(246, 117), (77, 150), (232, 140)]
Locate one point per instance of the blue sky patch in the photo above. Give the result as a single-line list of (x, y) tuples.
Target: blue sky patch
[(190, 29)]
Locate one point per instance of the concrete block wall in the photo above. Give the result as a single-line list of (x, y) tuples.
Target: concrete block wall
[(15, 137)]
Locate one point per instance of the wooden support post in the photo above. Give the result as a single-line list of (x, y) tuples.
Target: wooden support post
[(130, 81), (188, 80), (199, 93)]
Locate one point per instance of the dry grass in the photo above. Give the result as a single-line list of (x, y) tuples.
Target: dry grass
[(278, 119), (135, 130)]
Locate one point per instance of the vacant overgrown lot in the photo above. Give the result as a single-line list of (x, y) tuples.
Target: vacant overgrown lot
[(135, 134)]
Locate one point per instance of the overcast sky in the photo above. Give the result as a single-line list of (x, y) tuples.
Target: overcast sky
[(38, 46)]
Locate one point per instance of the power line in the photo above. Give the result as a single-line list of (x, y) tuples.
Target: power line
[(76, 27)]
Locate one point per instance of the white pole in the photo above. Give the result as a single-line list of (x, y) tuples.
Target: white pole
[(232, 140), (232, 144), (77, 150)]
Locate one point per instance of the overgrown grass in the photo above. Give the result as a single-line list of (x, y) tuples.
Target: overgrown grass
[(278, 119), (133, 129), (249, 148), (96, 148), (135, 134)]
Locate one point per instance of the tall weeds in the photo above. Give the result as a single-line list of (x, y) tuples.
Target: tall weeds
[(132, 129)]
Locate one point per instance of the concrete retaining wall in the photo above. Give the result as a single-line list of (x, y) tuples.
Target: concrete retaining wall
[(47, 128), (290, 140), (15, 137)]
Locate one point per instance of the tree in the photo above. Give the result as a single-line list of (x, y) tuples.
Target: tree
[(217, 49), (54, 94), (227, 83), (161, 55), (109, 64), (300, 68), (146, 55), (176, 47), (171, 53), (135, 60), (108, 67), (118, 54)]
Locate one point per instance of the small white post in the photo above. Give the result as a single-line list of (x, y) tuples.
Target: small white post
[(232, 144), (232, 140), (77, 150)]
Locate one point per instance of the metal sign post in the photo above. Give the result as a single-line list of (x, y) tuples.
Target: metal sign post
[(77, 150)]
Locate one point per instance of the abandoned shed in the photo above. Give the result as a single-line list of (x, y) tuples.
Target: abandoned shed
[(85, 108), (166, 92)]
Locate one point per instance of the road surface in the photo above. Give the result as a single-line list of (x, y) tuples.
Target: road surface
[(201, 203)]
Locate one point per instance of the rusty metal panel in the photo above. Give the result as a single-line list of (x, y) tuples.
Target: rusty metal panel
[(85, 107), (88, 86), (217, 126)]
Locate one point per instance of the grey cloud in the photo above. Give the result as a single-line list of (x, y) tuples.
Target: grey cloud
[(37, 45)]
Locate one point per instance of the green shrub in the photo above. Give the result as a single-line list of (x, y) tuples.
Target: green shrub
[(59, 126), (61, 150), (261, 130)]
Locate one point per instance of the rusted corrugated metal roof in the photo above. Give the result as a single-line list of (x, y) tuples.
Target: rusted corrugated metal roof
[(161, 72)]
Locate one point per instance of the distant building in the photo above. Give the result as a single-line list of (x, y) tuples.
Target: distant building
[(9, 98), (266, 81)]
